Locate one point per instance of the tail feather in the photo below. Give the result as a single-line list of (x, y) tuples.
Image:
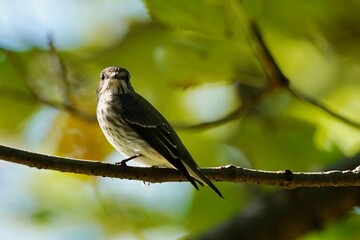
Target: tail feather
[(193, 180), (200, 177)]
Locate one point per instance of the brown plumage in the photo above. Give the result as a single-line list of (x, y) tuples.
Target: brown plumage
[(134, 127)]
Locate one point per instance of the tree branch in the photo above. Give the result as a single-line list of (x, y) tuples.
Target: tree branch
[(21, 70), (156, 175), (278, 79), (62, 71), (301, 96), (249, 103), (290, 214)]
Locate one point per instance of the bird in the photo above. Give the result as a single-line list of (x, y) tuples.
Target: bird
[(136, 129)]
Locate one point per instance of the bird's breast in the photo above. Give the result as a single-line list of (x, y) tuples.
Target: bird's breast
[(122, 137), (116, 131)]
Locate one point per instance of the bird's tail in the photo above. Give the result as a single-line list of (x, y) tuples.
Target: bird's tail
[(200, 177)]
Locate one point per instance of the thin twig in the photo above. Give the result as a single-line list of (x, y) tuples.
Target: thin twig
[(250, 103), (62, 72), (156, 175), (278, 79), (301, 96), (21, 69), (18, 95)]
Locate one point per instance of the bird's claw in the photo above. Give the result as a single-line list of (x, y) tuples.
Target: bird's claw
[(124, 161)]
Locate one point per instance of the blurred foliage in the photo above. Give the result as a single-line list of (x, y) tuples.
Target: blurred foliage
[(187, 45)]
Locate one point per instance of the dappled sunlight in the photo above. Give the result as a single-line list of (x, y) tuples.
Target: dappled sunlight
[(268, 85)]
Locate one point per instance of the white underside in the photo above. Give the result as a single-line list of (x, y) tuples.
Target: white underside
[(131, 146)]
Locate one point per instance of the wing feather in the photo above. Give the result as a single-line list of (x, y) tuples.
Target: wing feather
[(151, 126)]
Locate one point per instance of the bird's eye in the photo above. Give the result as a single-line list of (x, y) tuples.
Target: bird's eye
[(102, 76), (125, 75)]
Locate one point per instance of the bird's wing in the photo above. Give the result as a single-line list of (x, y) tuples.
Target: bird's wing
[(151, 126)]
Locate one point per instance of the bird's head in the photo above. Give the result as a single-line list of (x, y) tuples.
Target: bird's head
[(114, 81)]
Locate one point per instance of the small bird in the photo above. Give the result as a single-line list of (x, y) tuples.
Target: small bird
[(137, 130)]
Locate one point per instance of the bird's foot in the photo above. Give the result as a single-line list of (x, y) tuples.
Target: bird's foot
[(124, 161)]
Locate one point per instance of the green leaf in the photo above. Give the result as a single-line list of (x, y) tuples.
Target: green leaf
[(15, 99), (201, 16)]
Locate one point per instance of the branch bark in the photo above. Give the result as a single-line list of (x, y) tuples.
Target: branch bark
[(290, 214), (233, 174)]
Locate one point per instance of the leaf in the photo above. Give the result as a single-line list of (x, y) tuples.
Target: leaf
[(282, 143), (15, 100), (79, 139), (202, 59), (203, 16)]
